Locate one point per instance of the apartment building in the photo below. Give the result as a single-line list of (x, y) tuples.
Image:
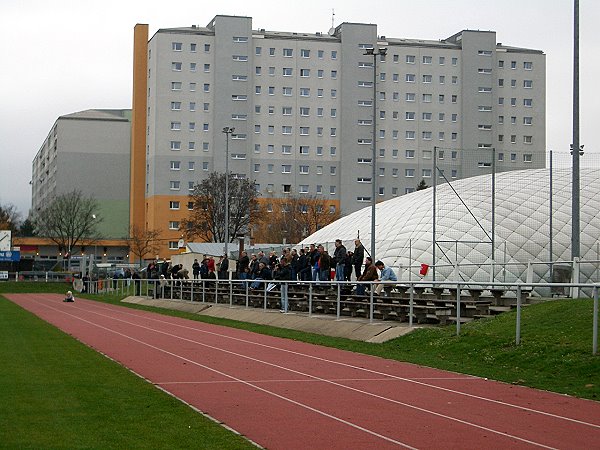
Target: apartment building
[(311, 109), (87, 151)]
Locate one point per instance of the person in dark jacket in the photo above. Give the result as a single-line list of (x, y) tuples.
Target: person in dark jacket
[(348, 266), (324, 265), (339, 257), (196, 269), (224, 268), (242, 266), (370, 274), (283, 273), (358, 257), (264, 273)]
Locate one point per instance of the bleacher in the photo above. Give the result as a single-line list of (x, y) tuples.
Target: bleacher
[(433, 304)]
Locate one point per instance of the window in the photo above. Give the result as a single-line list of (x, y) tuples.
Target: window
[(191, 165), (500, 156), (332, 170), (363, 180), (527, 139), (286, 168), (175, 85), (206, 67), (205, 146), (207, 48), (175, 126), (333, 54), (410, 135), (271, 51), (176, 46), (441, 98), (257, 89), (409, 154), (427, 78), (192, 106), (513, 101), (304, 53), (513, 157), (333, 132), (454, 61), (270, 168), (332, 190), (303, 189), (240, 39), (286, 149), (410, 78), (288, 52), (287, 91), (175, 165), (286, 129), (454, 117), (426, 135), (442, 79), (173, 205), (527, 65), (367, 84), (192, 67), (484, 127), (304, 111), (427, 98), (501, 100), (513, 65), (303, 170), (410, 115), (527, 120), (527, 158), (176, 66), (333, 112), (239, 97), (426, 116), (484, 70), (409, 173), (287, 188), (410, 96), (513, 138), (240, 58), (334, 93), (528, 102), (173, 225), (427, 59), (527, 84), (206, 87), (174, 185), (304, 149), (484, 89), (410, 59), (484, 108), (304, 131), (257, 128), (173, 245), (365, 103), (500, 138), (175, 106), (426, 173)]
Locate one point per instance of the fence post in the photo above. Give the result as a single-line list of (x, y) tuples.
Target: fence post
[(595, 323), (339, 301), (457, 308), (575, 277), (410, 305), (371, 306), (310, 288), (518, 331)]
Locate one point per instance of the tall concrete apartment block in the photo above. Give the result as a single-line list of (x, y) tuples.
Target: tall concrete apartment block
[(303, 111), (87, 151)]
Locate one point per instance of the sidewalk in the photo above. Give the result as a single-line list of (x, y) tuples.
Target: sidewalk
[(346, 327)]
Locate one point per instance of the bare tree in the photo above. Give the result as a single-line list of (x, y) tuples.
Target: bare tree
[(294, 217), (143, 242), (207, 219), (9, 217), (69, 219)]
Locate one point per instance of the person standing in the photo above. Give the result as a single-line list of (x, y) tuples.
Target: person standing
[(196, 269), (339, 256), (223, 268), (358, 257), (242, 266), (313, 257), (283, 274)]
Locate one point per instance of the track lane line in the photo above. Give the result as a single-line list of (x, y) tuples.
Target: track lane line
[(360, 391)]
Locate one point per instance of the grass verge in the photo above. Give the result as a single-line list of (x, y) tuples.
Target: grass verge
[(58, 393)]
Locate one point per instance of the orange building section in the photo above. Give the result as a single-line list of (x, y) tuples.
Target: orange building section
[(138, 127), (158, 216)]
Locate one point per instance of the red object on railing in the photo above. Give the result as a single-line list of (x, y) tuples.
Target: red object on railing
[(424, 269)]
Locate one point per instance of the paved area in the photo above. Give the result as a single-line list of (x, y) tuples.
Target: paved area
[(347, 327)]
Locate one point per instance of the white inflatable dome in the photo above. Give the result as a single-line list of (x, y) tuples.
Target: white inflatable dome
[(463, 221)]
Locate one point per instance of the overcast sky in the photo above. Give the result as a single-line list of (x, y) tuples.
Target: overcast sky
[(63, 56)]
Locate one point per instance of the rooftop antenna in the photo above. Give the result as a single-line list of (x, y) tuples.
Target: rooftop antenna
[(332, 29)]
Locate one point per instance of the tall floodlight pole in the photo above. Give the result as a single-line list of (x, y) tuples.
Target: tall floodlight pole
[(227, 131), (575, 148), (374, 52)]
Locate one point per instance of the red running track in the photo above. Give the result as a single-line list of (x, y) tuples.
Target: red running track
[(285, 394)]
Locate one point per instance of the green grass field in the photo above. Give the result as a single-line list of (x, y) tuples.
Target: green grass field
[(57, 393)]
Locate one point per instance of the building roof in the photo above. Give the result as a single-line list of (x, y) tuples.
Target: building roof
[(100, 114)]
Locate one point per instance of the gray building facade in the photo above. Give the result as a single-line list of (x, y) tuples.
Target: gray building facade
[(87, 151), (302, 105)]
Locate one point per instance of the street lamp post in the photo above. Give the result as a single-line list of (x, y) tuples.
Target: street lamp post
[(382, 51), (227, 131)]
